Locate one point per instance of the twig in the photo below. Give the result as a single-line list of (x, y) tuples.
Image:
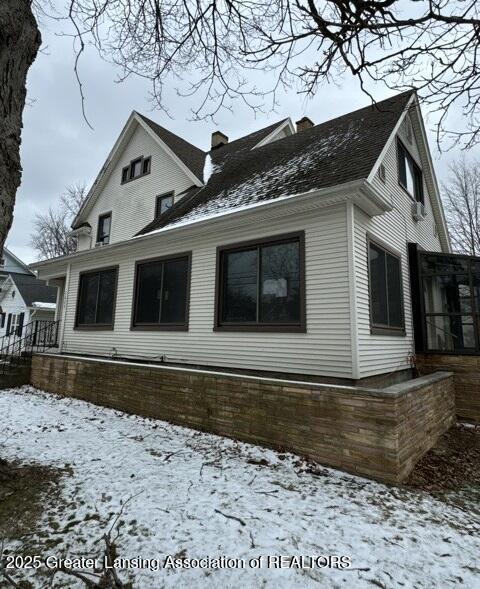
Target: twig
[(240, 521)]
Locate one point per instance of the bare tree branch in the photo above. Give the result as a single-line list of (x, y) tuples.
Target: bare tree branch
[(51, 234), (461, 196)]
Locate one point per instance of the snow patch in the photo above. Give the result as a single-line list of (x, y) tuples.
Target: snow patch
[(207, 168), (42, 305), (189, 490)]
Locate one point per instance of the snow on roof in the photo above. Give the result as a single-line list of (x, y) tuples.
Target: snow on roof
[(41, 305), (338, 151)]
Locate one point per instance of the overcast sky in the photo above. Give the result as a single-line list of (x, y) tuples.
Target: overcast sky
[(59, 149)]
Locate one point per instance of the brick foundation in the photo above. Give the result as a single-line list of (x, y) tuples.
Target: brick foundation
[(466, 371), (379, 433)]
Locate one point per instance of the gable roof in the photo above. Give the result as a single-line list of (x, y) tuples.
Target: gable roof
[(189, 158), (34, 290), (192, 156), (6, 254), (341, 150)]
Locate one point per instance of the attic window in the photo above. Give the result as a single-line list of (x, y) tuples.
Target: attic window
[(136, 169), (409, 173), (2, 262)]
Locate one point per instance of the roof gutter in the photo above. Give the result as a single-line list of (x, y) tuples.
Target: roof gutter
[(360, 192)]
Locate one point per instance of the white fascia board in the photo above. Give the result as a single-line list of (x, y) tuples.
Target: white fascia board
[(393, 134), (436, 195), (438, 206), (270, 137), (17, 260), (103, 170)]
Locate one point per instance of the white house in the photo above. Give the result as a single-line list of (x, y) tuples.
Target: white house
[(284, 251), (10, 264), (23, 298)]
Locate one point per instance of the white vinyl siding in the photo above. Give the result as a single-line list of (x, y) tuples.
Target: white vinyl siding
[(386, 353), (324, 350), (133, 204), (14, 305)]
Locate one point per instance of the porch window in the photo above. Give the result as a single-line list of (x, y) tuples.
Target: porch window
[(261, 285), (451, 302), (163, 203), (386, 291), (409, 174), (104, 227), (96, 299), (161, 293)]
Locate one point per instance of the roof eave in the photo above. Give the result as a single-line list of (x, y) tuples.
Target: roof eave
[(361, 192)]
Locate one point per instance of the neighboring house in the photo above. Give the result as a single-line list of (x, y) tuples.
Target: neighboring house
[(284, 251), (23, 299), (10, 264)]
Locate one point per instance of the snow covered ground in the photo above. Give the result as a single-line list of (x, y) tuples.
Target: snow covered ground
[(196, 495)]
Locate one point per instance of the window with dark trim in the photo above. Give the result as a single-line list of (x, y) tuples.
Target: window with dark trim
[(409, 174), (104, 228), (450, 285), (386, 291), (97, 291), (161, 297), (261, 285), (163, 203), (136, 169)]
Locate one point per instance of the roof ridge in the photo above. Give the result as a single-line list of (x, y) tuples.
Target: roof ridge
[(243, 137)]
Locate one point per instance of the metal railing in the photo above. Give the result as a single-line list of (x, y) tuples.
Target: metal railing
[(17, 348)]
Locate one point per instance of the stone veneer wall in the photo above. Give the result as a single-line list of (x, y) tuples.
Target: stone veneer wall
[(466, 371), (379, 433)]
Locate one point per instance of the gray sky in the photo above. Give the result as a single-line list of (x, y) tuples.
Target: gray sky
[(59, 149)]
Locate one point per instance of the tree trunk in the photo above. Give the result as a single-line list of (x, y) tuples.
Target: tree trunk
[(19, 43)]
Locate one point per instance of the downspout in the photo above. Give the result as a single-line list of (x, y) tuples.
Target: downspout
[(352, 290), (64, 308)]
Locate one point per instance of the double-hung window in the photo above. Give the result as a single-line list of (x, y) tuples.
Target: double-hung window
[(409, 173), (386, 291), (104, 228), (96, 299), (261, 285), (161, 297)]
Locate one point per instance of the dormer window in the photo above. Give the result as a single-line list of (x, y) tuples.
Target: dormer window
[(163, 203), (409, 173), (136, 169), (104, 227)]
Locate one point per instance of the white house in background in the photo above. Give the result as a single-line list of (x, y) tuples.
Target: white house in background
[(23, 299), (283, 251), (10, 264)]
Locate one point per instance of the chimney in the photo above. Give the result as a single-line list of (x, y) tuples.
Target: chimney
[(303, 124), (218, 139)]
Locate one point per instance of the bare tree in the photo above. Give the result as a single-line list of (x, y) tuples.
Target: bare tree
[(19, 43), (208, 48), (461, 196), (51, 235)]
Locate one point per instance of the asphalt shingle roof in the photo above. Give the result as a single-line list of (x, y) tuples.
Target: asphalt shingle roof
[(192, 156), (331, 153), (34, 290)]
